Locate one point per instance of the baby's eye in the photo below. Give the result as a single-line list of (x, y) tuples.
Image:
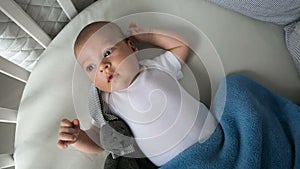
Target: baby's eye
[(90, 68), (107, 53)]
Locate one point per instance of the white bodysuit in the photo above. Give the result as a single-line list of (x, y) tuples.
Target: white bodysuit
[(163, 117)]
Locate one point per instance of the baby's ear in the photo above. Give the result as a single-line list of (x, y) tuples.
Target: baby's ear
[(131, 45)]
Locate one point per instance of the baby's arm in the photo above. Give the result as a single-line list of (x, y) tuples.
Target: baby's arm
[(71, 134), (165, 39)]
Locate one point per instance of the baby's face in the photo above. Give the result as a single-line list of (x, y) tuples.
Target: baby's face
[(109, 62)]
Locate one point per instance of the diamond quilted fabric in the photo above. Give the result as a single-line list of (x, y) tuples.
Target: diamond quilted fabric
[(16, 45)]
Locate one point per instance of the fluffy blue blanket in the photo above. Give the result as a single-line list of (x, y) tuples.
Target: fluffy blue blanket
[(258, 129)]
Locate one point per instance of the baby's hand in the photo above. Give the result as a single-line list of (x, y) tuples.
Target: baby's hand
[(68, 133), (138, 33)]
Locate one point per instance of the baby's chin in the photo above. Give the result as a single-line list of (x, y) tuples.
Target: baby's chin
[(117, 83), (115, 87)]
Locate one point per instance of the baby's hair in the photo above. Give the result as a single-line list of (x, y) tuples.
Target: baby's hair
[(90, 29)]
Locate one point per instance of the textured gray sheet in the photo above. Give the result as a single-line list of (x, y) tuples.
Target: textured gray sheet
[(280, 12), (292, 38)]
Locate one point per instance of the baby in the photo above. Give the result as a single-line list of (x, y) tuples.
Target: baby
[(163, 117)]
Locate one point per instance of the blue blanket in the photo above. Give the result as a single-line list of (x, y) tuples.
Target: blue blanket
[(258, 129)]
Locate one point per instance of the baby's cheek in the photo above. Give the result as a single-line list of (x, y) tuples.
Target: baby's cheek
[(100, 82), (97, 80)]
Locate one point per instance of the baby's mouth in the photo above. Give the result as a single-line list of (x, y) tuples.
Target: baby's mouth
[(111, 77)]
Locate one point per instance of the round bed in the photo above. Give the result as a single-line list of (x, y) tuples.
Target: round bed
[(226, 43)]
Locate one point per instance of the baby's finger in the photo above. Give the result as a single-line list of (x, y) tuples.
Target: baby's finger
[(132, 24), (62, 144), (66, 123), (76, 123), (129, 33), (69, 130), (67, 137), (133, 31)]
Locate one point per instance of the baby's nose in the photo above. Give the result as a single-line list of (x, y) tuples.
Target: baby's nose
[(104, 66)]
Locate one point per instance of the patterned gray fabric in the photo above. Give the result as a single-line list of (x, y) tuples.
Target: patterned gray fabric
[(115, 135), (116, 138), (16, 45), (94, 106), (47, 13), (277, 11), (292, 34)]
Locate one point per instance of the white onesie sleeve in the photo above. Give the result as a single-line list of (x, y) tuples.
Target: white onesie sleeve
[(166, 61)]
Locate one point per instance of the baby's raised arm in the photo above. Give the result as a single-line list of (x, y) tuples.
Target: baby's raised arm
[(165, 39), (71, 134)]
